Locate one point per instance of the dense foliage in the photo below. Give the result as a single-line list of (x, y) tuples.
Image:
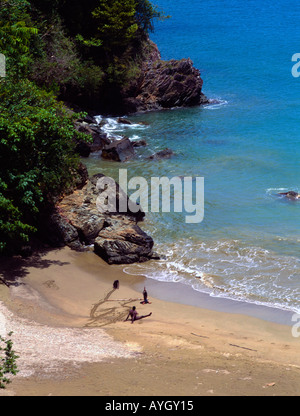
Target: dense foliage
[(108, 34), (16, 32), (116, 24), (81, 52), (37, 158)]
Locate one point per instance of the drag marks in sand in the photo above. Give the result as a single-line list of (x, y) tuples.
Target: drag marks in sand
[(108, 311)]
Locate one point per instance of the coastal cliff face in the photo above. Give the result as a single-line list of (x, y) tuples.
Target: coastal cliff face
[(114, 236), (164, 84)]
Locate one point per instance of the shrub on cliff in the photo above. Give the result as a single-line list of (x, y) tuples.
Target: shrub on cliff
[(37, 158), (116, 25), (88, 50), (58, 66), (16, 33)]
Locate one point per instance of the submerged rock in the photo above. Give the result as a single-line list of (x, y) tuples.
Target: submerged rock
[(290, 195), (162, 154), (139, 143), (123, 120)]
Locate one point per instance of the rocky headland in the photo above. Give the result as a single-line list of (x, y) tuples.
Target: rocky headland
[(116, 236), (164, 84)]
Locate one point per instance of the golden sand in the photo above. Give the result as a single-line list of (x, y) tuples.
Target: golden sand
[(69, 331)]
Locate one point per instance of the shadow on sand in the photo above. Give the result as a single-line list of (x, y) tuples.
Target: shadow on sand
[(13, 269)]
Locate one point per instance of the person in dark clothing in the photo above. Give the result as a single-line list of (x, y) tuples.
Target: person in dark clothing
[(116, 284), (145, 294), (134, 315)]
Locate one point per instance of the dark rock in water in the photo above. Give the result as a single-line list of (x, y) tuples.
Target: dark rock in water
[(98, 139), (139, 143), (164, 84), (291, 195), (162, 154), (99, 142), (124, 120), (116, 237), (119, 150)]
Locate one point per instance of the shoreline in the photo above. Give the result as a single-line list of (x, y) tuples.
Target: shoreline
[(65, 298), (181, 293)]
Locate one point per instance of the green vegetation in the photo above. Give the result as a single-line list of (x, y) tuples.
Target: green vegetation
[(8, 361), (116, 24), (94, 41), (37, 158), (83, 52), (16, 32)]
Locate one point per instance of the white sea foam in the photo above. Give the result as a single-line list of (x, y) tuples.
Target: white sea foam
[(228, 269), (276, 191), (215, 104), (117, 129)]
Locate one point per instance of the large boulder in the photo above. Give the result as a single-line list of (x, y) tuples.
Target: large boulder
[(123, 242), (80, 223), (119, 150)]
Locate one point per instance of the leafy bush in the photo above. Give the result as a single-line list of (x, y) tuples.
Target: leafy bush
[(145, 15), (116, 23), (60, 69), (16, 33), (37, 158), (8, 362)]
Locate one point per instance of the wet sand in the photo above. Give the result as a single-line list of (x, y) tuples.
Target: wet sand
[(69, 331)]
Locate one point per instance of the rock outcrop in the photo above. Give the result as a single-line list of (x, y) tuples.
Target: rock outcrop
[(165, 84), (123, 242), (116, 237), (119, 150), (98, 141)]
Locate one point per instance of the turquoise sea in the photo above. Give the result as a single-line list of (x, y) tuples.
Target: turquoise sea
[(247, 148)]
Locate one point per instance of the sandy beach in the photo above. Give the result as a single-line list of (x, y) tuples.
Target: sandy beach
[(69, 332)]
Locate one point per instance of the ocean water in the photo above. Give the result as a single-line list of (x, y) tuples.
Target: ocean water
[(247, 148)]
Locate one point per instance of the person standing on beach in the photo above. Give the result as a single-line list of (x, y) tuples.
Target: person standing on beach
[(145, 295), (134, 315)]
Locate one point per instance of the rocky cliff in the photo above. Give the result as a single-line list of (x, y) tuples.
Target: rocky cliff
[(114, 236), (164, 84)]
